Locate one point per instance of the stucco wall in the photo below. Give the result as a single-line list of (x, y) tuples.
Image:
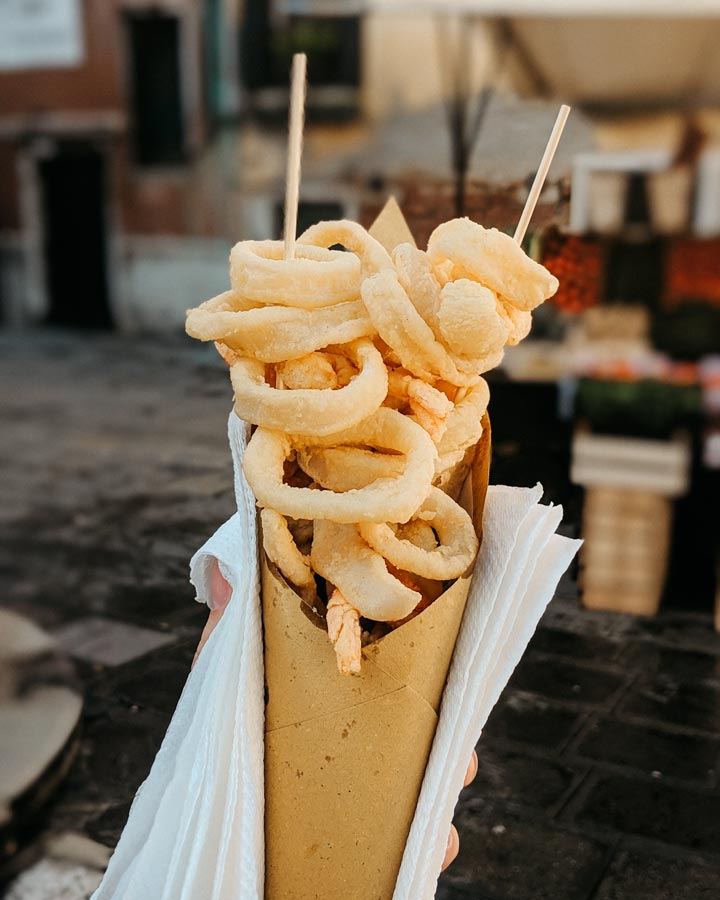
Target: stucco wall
[(160, 279)]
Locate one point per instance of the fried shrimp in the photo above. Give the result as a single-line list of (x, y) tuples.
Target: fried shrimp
[(429, 406), (228, 355), (343, 625), (314, 371)]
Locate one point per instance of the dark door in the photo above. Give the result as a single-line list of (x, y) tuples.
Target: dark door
[(73, 210)]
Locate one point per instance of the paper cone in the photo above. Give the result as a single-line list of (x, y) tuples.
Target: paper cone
[(391, 228), (345, 755)]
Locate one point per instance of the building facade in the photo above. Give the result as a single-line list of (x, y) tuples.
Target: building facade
[(139, 139), (107, 116)]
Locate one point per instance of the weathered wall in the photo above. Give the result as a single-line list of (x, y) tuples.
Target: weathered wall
[(90, 100), (161, 278)]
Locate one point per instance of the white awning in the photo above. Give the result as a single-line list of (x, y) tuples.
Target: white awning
[(615, 53), (625, 62), (676, 9), (512, 8)]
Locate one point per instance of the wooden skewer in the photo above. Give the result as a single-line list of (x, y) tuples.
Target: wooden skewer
[(541, 174), (295, 141)]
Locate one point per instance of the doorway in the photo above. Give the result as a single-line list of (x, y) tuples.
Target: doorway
[(72, 186)]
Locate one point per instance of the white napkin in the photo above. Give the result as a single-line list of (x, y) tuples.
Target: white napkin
[(196, 826), (519, 565), (195, 830)]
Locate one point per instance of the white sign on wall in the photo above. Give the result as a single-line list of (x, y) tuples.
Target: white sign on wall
[(40, 34)]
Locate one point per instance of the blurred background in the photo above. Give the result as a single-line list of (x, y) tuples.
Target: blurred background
[(138, 141)]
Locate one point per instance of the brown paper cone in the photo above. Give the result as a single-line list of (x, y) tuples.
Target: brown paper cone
[(345, 755), (391, 228)]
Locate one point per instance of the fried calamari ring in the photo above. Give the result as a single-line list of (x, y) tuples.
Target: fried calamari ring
[(404, 330), (463, 426), (276, 333), (344, 559), (309, 411), (315, 277), (216, 317), (469, 320), (458, 543), (492, 258), (481, 364), (347, 468), (384, 500), (281, 549), (373, 256), (519, 322), (415, 273)]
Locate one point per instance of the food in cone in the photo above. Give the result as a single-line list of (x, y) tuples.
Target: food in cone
[(363, 438), (362, 372)]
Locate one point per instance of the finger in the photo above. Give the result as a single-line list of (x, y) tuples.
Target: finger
[(220, 590), (213, 619), (453, 847), (472, 769)]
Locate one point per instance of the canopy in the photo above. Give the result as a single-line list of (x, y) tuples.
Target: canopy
[(418, 142), (597, 52), (508, 8)]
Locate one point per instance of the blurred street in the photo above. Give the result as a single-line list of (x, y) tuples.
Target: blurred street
[(599, 768)]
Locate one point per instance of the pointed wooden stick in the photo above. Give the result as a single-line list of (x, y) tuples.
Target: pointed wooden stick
[(541, 174), (295, 141)]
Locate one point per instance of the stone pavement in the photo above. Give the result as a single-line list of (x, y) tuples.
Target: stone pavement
[(598, 769)]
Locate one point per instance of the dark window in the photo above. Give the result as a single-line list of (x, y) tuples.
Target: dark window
[(212, 28), (333, 49), (154, 62)]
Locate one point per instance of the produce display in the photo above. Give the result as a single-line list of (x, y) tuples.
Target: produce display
[(578, 263), (692, 271)]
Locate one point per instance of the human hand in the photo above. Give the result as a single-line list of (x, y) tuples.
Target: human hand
[(220, 592), (453, 844)]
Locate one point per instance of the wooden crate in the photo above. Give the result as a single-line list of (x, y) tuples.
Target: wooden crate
[(621, 501), (626, 466), (624, 559), (627, 517), (634, 602)]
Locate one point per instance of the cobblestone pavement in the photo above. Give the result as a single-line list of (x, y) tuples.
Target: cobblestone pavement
[(598, 769)]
